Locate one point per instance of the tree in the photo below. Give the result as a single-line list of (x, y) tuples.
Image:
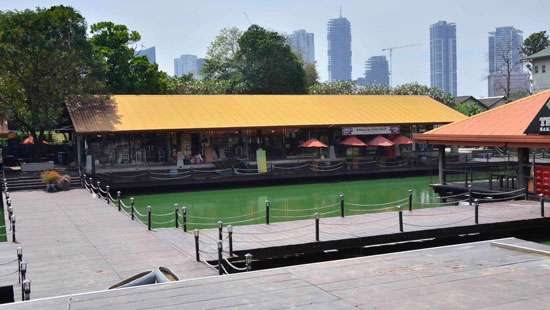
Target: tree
[(267, 65), (469, 108), (535, 43), (510, 60), (45, 57), (125, 73), (220, 57), (311, 75)]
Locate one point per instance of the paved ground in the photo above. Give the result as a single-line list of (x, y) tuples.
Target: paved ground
[(74, 243), (476, 275)]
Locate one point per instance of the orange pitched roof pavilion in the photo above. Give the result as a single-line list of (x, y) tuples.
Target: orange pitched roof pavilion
[(503, 126)]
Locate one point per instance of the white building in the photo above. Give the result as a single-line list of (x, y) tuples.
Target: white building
[(540, 68), (186, 64), (302, 44)]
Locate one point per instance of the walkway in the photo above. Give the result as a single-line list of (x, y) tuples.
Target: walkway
[(74, 244), (468, 276)]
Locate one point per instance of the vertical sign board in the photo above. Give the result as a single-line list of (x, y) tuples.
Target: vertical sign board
[(261, 160)]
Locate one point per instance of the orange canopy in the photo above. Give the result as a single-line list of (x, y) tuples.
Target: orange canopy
[(380, 141), (401, 140), (353, 141), (313, 143), (30, 140)]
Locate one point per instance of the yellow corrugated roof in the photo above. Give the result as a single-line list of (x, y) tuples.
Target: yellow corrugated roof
[(185, 112)]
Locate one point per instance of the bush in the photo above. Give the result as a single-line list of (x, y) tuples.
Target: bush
[(64, 182), (50, 177)]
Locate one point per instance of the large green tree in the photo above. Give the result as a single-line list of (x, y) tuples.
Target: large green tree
[(220, 61), (44, 58), (124, 72), (535, 43)]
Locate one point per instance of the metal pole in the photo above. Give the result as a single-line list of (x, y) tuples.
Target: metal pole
[(410, 199), (400, 219), (108, 190), (476, 211), (98, 189), (541, 205), (316, 226), (342, 210), (13, 239), (132, 208), (197, 256), (149, 218), (230, 232), (248, 261), (19, 260), (220, 249), (470, 194), (23, 278), (267, 205), (118, 201), (184, 215), (26, 289), (176, 215), (526, 192), (220, 230)]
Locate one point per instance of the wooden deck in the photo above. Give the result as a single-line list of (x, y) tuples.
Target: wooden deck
[(468, 276)]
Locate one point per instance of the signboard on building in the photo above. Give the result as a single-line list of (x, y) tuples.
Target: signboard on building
[(372, 130), (261, 160), (541, 123)]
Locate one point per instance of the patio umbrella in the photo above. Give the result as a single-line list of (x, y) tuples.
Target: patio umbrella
[(353, 141), (380, 141), (30, 140), (313, 143), (401, 140)]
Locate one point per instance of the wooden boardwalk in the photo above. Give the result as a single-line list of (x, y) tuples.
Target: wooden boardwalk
[(74, 243), (337, 228), (468, 276)]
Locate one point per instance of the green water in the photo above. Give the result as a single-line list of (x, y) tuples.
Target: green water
[(288, 202)]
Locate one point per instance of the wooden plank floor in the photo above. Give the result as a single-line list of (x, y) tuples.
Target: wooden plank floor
[(467, 276), (335, 228), (74, 243)]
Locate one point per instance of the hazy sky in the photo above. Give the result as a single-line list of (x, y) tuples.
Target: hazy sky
[(187, 27)]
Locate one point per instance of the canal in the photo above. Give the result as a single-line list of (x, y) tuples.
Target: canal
[(287, 202)]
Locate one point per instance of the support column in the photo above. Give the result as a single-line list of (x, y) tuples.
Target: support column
[(441, 164), (523, 167), (78, 141)]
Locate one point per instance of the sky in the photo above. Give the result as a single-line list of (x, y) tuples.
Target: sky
[(177, 27)]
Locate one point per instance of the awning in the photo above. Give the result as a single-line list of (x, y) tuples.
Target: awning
[(380, 141), (313, 143), (400, 139), (353, 141)]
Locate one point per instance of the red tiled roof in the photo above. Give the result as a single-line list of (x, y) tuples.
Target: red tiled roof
[(501, 126)]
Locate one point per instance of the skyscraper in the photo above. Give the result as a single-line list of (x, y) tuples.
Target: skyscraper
[(150, 53), (443, 56), (339, 49), (302, 43), (506, 74), (186, 64), (377, 71)]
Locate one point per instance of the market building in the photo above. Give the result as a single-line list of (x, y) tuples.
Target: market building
[(201, 131)]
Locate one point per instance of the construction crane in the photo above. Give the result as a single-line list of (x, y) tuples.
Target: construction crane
[(390, 51)]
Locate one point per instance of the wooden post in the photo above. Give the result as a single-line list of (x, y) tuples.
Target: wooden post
[(13, 239), (317, 226), (342, 213), (176, 215), (220, 259), (267, 205), (441, 164), (197, 255), (476, 215), (149, 218), (523, 167), (410, 199), (400, 219), (230, 233), (541, 196), (248, 261), (132, 208), (220, 230), (118, 201), (184, 215)]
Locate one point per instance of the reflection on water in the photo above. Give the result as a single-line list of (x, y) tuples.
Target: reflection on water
[(289, 200)]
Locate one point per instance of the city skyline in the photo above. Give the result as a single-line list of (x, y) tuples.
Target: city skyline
[(339, 49), (303, 44), (391, 23), (377, 71), (443, 65)]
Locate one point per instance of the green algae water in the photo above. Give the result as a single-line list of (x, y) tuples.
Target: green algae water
[(241, 206)]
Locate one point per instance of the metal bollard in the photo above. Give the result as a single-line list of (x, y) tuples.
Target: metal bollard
[(132, 216), (149, 218), (91, 184), (267, 205), (197, 256), (23, 274), (342, 213), (176, 215), (400, 219), (107, 199), (541, 196), (184, 215), (248, 261), (230, 233), (220, 230), (10, 213), (316, 226), (220, 249), (470, 194), (26, 289), (98, 189), (476, 212), (8, 200), (19, 260), (118, 201), (13, 239), (410, 199)]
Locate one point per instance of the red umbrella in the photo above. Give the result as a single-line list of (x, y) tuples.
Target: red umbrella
[(380, 141), (353, 141), (30, 140), (313, 143), (401, 140)]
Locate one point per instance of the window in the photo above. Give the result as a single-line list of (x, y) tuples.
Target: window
[(543, 68), (536, 69)]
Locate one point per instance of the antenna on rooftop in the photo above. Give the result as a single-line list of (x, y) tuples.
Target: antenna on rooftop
[(340, 11)]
